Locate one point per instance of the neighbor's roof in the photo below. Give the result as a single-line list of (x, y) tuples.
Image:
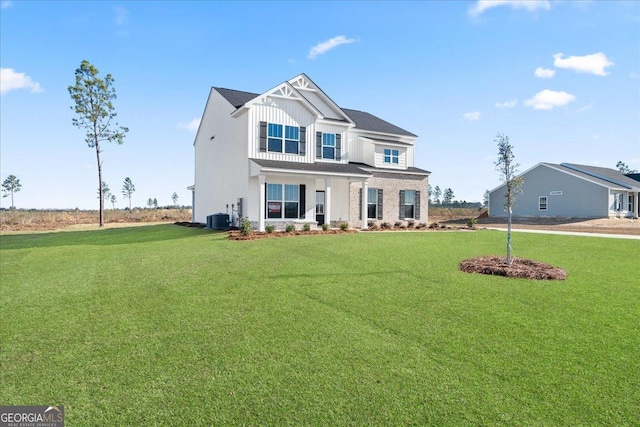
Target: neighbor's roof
[(363, 120), (605, 176)]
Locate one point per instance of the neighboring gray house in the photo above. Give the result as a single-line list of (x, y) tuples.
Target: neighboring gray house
[(570, 190)]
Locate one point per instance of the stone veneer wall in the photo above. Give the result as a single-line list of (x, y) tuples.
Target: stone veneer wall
[(391, 184)]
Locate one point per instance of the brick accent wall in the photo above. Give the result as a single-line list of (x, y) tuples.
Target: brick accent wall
[(391, 184)]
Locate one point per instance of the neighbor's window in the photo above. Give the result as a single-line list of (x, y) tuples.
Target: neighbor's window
[(617, 202), (542, 203), (630, 203), (276, 139), (391, 156), (328, 146), (279, 196), (409, 203), (372, 203)]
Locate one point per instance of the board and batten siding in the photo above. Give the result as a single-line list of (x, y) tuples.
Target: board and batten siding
[(317, 101), (402, 157), (360, 150), (580, 198), (221, 163)]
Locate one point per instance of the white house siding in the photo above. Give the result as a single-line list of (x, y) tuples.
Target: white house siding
[(320, 104), (391, 184), (580, 198), (361, 150), (379, 157), (221, 162)]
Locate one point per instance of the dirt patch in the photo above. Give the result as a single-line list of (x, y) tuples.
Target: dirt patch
[(522, 268)]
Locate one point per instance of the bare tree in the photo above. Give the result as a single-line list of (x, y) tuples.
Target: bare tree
[(508, 170)]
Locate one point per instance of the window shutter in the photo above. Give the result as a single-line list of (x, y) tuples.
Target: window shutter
[(338, 146), (379, 203), (401, 208), (303, 201), (360, 203), (263, 136), (417, 202), (302, 150), (318, 145)]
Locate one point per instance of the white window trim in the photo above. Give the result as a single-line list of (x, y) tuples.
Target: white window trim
[(283, 140), (546, 203)]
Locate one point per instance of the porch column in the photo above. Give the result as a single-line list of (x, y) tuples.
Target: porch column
[(327, 201), (365, 202), (261, 180)]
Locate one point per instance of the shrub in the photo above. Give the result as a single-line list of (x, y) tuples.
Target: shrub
[(433, 225), (269, 228), (306, 227), (372, 225), (290, 228), (385, 225), (344, 226), (471, 222), (411, 224), (245, 227), (325, 227), (397, 224)]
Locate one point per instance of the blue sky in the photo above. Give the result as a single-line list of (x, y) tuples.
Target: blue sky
[(561, 79)]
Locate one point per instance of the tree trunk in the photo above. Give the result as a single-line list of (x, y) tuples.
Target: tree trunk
[(101, 221), (12, 205), (509, 238)]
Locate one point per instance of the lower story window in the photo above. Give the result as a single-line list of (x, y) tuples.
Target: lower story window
[(283, 200), (617, 202), (372, 203), (409, 204), (630, 203), (542, 203)]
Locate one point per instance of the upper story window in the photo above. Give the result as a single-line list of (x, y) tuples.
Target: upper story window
[(328, 146), (278, 138), (391, 156)]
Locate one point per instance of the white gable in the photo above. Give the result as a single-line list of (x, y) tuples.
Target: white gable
[(319, 99)]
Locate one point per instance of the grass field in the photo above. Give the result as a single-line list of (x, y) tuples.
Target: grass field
[(167, 325)]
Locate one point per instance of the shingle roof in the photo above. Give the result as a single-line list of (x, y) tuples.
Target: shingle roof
[(237, 98), (366, 121), (607, 175), (363, 120)]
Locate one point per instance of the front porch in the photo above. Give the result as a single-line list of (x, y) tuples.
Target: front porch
[(303, 193)]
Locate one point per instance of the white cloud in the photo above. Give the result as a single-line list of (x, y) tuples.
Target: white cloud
[(4, 4), (530, 5), (472, 116), (548, 99), (192, 126), (327, 45), (507, 104), (544, 73), (594, 63), (10, 80)]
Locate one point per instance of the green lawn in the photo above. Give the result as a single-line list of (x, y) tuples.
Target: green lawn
[(167, 325)]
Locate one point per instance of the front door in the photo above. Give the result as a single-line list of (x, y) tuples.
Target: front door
[(320, 207)]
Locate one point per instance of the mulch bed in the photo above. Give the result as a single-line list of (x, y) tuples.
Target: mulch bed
[(522, 268), (256, 235)]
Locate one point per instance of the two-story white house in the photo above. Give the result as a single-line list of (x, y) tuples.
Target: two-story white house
[(292, 156)]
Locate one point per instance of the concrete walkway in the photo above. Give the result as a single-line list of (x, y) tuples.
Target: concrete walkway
[(568, 233)]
